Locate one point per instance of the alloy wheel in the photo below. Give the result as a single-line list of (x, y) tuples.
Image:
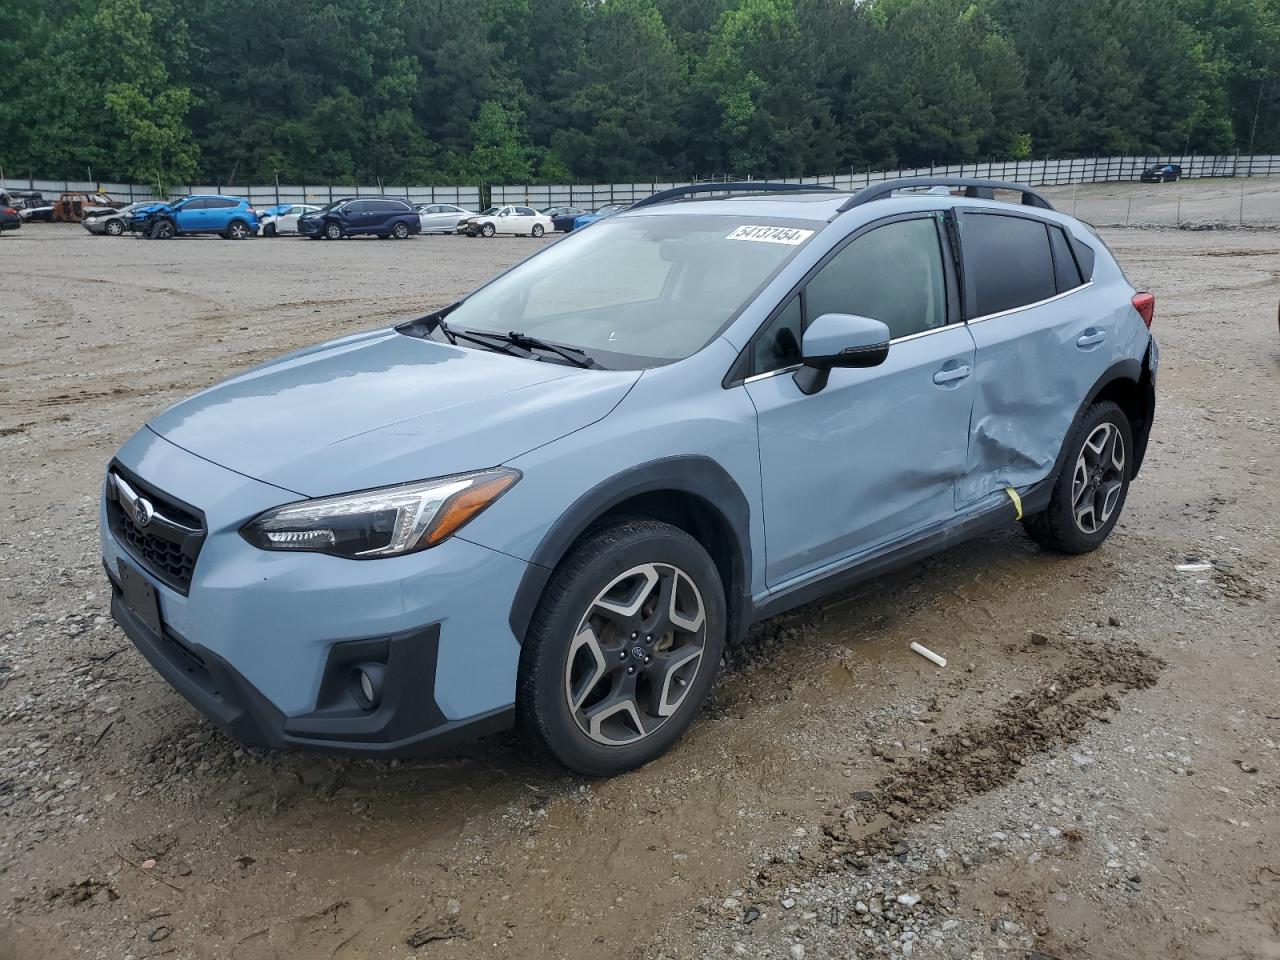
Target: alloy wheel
[(1098, 478), (239, 231), (635, 654), (115, 228), (400, 230)]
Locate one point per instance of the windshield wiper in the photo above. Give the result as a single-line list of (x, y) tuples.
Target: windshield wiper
[(453, 336), (579, 358)]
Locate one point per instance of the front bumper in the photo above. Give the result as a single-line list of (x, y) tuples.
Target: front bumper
[(264, 643), (405, 722)]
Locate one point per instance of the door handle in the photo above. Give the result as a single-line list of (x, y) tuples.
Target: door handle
[(952, 374), (1091, 338)]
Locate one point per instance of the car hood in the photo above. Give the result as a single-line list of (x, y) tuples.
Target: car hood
[(381, 408)]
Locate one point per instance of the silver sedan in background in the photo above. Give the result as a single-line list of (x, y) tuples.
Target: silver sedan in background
[(441, 217), (111, 223)]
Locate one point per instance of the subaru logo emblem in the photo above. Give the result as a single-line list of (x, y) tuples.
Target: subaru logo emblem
[(143, 511)]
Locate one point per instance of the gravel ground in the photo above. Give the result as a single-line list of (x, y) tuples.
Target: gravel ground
[(1092, 775)]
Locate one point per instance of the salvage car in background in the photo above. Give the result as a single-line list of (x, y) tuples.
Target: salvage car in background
[(112, 223), (9, 219), (283, 218), (562, 217), (441, 217), (74, 207), (1162, 173), (229, 217), (519, 221), (379, 216)]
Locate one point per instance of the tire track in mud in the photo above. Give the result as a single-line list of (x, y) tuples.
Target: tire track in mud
[(979, 757)]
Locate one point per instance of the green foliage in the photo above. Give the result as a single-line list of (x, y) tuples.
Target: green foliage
[(399, 91)]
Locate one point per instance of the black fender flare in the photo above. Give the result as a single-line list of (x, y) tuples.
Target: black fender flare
[(697, 476), (1137, 372)]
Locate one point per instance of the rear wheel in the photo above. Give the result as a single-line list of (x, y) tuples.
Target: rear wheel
[(538, 230), (400, 231), (237, 230), (1091, 488), (623, 648)]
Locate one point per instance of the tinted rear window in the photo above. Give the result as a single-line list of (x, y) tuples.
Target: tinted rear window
[(1064, 262), (1007, 262)]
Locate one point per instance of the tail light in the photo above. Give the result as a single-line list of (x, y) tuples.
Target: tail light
[(1145, 304), (8, 210)]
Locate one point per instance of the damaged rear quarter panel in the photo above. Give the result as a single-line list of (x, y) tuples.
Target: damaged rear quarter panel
[(1032, 377)]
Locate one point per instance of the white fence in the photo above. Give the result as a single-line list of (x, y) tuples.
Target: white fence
[(1032, 172)]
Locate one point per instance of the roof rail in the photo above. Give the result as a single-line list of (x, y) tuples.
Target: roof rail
[(741, 186), (977, 189)]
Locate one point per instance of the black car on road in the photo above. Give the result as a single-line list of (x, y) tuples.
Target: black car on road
[(9, 219), (381, 216)]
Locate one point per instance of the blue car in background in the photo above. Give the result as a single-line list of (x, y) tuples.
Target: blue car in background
[(553, 503), (230, 217), (605, 211)]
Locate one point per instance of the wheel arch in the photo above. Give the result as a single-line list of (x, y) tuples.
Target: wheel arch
[(1130, 385), (693, 493)]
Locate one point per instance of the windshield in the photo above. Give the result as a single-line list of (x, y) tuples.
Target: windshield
[(491, 212), (637, 291)]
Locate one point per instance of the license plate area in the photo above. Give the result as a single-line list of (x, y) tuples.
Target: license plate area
[(139, 597)]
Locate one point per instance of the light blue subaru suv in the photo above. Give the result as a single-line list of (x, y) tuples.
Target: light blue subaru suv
[(551, 504)]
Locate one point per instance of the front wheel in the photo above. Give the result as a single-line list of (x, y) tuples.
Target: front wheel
[(488, 230), (164, 230), (333, 231), (538, 230), (114, 228), (1092, 486), (623, 648)]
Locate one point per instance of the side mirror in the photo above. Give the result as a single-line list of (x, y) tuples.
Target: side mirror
[(839, 340)]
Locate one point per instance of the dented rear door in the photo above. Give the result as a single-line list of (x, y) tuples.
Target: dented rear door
[(1043, 338)]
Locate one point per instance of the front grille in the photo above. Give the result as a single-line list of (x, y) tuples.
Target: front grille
[(168, 544)]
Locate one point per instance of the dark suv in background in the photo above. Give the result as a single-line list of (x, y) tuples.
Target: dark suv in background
[(382, 216)]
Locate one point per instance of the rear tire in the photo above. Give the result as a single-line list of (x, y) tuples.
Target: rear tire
[(1092, 486), (623, 648), (400, 231), (237, 230), (538, 231)]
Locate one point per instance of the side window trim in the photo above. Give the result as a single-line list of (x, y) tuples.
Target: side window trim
[(1048, 225), (741, 370)]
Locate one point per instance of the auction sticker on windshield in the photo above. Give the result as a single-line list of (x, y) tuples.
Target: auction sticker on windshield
[(791, 236)]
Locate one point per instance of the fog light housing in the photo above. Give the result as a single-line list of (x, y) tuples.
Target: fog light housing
[(366, 683)]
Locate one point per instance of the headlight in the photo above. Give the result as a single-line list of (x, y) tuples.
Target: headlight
[(388, 522)]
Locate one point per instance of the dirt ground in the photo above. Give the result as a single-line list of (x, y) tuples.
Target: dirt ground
[(1093, 774)]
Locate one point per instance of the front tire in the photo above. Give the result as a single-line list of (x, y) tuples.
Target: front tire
[(333, 231), (114, 228), (1092, 486), (269, 230), (488, 230), (164, 230), (623, 648)]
